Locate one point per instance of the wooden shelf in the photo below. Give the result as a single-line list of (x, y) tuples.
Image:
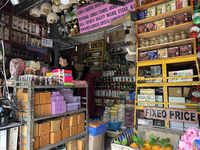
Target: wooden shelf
[(29, 58), (93, 51), (165, 15), (27, 33), (158, 2), (97, 60), (106, 88), (116, 81), (95, 68), (180, 27), (167, 45), (107, 97), (18, 44)]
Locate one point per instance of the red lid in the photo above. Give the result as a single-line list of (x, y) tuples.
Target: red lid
[(193, 34), (198, 39), (68, 71)]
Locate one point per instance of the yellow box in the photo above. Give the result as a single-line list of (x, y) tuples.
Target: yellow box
[(44, 128), (55, 137), (44, 140), (65, 133), (55, 125), (65, 123), (73, 120)]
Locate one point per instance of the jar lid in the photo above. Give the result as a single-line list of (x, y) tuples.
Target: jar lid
[(193, 34)]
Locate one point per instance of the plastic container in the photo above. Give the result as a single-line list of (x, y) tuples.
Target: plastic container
[(77, 99), (113, 112), (132, 96), (114, 108), (98, 130), (72, 106)]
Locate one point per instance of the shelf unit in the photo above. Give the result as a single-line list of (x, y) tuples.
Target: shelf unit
[(31, 119), (179, 60), (10, 11), (165, 84), (93, 50)]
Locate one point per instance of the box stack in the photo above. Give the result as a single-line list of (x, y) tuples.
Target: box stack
[(58, 103), (114, 114), (81, 122), (73, 123), (81, 143), (42, 103), (129, 117), (65, 128), (72, 145), (55, 131), (44, 133), (68, 77), (59, 73), (121, 114)]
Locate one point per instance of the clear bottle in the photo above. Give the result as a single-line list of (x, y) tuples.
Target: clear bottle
[(166, 40), (176, 37), (161, 41), (147, 42), (171, 37), (142, 43), (152, 41), (156, 41), (183, 35)]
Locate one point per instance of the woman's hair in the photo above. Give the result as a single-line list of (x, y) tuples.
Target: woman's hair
[(86, 70)]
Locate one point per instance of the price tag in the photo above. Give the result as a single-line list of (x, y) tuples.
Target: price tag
[(47, 42)]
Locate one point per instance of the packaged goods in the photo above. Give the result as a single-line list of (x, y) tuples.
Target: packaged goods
[(143, 56), (162, 53), (150, 27), (161, 9), (151, 11), (142, 28), (171, 5), (182, 3), (185, 50), (152, 55), (160, 24), (173, 52)]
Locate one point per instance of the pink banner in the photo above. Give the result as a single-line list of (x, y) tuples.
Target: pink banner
[(99, 15)]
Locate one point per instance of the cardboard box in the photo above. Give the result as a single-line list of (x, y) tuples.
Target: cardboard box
[(35, 130), (65, 123), (159, 98), (39, 98), (186, 91), (175, 91), (65, 133), (36, 143), (145, 122), (37, 111), (44, 140), (45, 109), (73, 120), (74, 130), (71, 145), (191, 102), (12, 138), (55, 125), (3, 139), (147, 91), (96, 142), (55, 137), (177, 100), (81, 143), (44, 128), (81, 128), (81, 118)]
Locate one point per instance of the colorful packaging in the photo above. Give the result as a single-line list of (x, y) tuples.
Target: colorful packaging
[(142, 28), (151, 12), (171, 21), (143, 56), (182, 18), (152, 55), (173, 52), (162, 53), (160, 24), (182, 3), (185, 50), (150, 27), (161, 9), (171, 5)]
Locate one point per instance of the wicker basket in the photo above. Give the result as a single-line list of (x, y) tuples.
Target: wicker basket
[(144, 133)]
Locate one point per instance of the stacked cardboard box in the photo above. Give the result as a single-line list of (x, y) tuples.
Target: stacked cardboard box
[(65, 133), (81, 122), (72, 145), (113, 37), (55, 131), (73, 123), (121, 33), (44, 133), (81, 143)]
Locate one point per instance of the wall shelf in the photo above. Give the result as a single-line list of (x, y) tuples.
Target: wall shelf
[(107, 97)]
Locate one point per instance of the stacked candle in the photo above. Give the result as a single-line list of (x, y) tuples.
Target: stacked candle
[(58, 104), (68, 77), (64, 76)]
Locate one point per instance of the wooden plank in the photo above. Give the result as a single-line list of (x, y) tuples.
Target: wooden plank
[(180, 27)]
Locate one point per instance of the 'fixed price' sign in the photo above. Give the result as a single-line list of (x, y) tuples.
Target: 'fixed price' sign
[(178, 115)]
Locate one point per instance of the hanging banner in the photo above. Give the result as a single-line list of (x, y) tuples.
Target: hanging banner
[(178, 115), (99, 15), (36, 49)]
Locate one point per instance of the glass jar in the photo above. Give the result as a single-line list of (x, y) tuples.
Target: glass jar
[(147, 42), (41, 80), (152, 41), (142, 43), (166, 39), (171, 37), (183, 35), (46, 81), (161, 41), (54, 81), (36, 80), (156, 41), (50, 78), (176, 37)]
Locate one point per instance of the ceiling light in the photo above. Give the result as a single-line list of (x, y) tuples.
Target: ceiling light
[(52, 18), (64, 2), (56, 2), (76, 48), (83, 1), (35, 12), (15, 2), (46, 7), (56, 9)]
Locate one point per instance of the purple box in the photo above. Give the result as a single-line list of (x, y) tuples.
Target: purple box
[(53, 99), (152, 55), (60, 98)]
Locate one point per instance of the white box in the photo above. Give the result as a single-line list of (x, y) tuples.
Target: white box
[(3, 139), (147, 98), (176, 125), (159, 98), (187, 125), (12, 138), (177, 100), (145, 122), (147, 91)]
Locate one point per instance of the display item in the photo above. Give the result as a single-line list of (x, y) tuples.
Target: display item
[(142, 43), (182, 18), (162, 53), (152, 55), (171, 5), (20, 23), (183, 35), (160, 24), (171, 37), (170, 21), (182, 3), (150, 27), (161, 39), (147, 42), (173, 52), (151, 11), (156, 70), (15, 22), (16, 68), (185, 50), (142, 2), (143, 56), (161, 9), (157, 41), (166, 40), (176, 37), (152, 41), (142, 29)]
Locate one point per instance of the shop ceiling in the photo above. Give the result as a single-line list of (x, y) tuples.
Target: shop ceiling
[(64, 43)]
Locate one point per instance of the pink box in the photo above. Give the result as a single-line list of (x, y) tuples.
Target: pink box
[(68, 78), (60, 98), (58, 71), (53, 99)]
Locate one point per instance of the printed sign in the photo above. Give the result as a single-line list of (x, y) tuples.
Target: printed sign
[(36, 49), (99, 15), (47, 42), (178, 115)]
